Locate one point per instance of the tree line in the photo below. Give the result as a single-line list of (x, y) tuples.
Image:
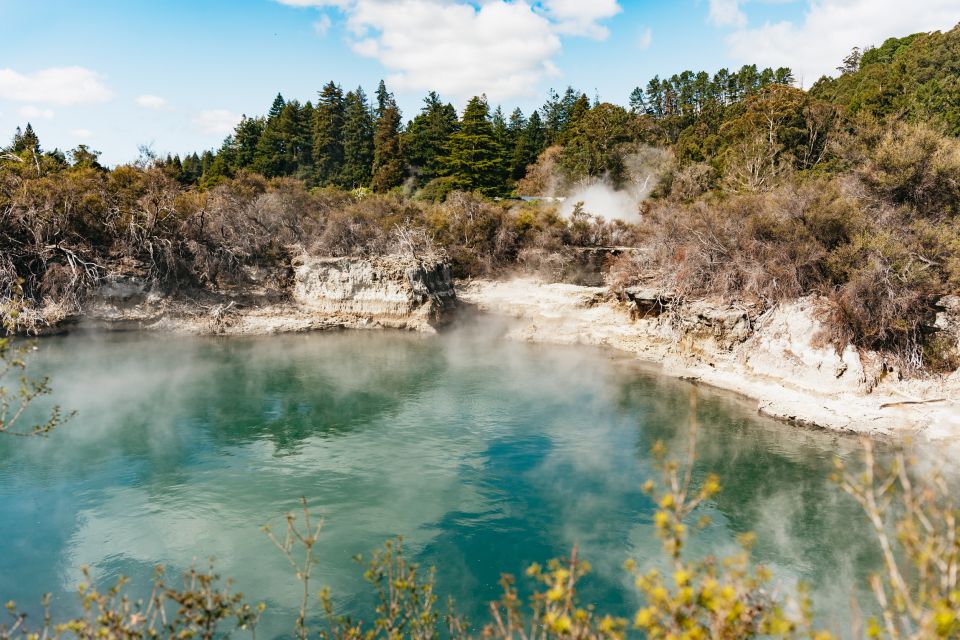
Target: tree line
[(348, 140)]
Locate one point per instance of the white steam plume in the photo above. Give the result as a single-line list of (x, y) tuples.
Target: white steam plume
[(645, 168)]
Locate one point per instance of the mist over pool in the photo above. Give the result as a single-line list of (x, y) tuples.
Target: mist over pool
[(485, 455)]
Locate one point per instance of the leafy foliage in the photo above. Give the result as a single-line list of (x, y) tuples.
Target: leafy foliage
[(916, 78), (919, 590), (199, 609), (14, 401), (596, 144)]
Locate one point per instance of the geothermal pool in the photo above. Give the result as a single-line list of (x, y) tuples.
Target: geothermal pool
[(485, 455)]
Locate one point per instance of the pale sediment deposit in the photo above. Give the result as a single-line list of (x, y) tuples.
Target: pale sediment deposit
[(774, 357), (324, 293), (391, 291)]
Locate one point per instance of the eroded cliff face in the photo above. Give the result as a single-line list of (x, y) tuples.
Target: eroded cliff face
[(776, 357), (948, 318), (323, 293), (386, 291), (785, 344)]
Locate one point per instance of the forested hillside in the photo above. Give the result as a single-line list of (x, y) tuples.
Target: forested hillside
[(349, 141), (754, 190), (916, 78)]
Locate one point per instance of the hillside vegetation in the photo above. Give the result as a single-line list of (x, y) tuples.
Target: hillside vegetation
[(916, 78), (753, 190)]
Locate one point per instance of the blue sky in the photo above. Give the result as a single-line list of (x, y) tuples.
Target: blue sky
[(175, 74)]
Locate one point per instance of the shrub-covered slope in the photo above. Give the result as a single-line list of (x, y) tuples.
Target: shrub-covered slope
[(735, 185)]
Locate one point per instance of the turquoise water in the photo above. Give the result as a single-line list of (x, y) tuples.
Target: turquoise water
[(484, 454)]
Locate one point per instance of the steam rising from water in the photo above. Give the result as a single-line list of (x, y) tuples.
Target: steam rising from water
[(485, 455), (644, 168), (601, 199)]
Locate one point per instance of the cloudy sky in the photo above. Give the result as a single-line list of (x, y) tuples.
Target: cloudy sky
[(177, 74)]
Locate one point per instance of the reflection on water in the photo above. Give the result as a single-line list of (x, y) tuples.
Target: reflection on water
[(485, 455)]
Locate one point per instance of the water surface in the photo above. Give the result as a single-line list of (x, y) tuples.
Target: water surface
[(485, 455)]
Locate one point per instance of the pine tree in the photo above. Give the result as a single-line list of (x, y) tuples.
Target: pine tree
[(384, 100), (515, 130), (26, 141), (86, 158), (191, 169), (328, 118), (278, 104), (221, 168), (427, 137), (500, 128), (171, 167), (656, 101), (749, 79), (577, 110), (357, 141), (269, 155), (637, 103), (474, 158), (783, 75), (206, 161), (388, 169), (245, 138), (721, 84), (285, 146), (506, 138), (851, 63), (297, 125), (530, 144), (557, 112)]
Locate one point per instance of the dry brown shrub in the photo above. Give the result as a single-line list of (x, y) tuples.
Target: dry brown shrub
[(883, 298), (915, 165), (691, 181), (477, 234), (749, 247), (363, 226), (541, 178)]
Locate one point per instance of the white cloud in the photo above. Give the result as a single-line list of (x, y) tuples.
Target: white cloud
[(316, 3), (153, 102), (727, 13), (216, 121), (83, 134), (579, 18), (322, 25), (645, 39), (831, 28), (56, 85), (501, 47), (31, 111)]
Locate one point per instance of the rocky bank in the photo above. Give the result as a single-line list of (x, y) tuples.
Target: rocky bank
[(397, 292), (774, 357)]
